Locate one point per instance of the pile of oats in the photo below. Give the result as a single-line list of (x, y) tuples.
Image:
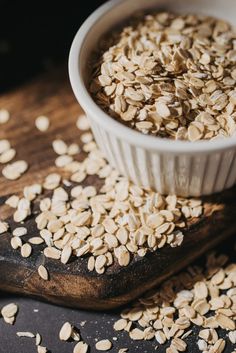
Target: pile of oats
[(115, 222), (204, 298), (171, 76)]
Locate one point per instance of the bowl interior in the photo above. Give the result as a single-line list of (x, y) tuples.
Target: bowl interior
[(120, 11)]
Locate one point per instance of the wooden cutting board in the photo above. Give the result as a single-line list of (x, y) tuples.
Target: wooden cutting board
[(73, 284)]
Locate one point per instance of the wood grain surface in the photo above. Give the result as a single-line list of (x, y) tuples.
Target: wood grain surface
[(73, 284)]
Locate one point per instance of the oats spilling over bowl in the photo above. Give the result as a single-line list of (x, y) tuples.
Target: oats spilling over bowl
[(170, 76)]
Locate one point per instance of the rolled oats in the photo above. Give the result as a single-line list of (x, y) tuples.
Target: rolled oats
[(42, 123), (4, 116), (179, 83)]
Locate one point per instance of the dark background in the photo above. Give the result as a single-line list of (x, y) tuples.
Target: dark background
[(36, 35)]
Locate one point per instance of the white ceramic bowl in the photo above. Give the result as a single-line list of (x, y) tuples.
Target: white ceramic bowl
[(170, 167)]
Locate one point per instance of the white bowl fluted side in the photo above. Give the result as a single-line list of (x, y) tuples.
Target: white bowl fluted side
[(183, 174)]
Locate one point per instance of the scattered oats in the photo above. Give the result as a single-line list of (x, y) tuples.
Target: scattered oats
[(45, 204), (26, 250), (205, 334), (36, 240), (7, 156), (186, 334), (52, 181), (91, 263), (42, 123), (63, 161), (113, 223), (160, 337), (202, 345), (30, 192), (52, 253), (41, 349), (73, 149), (9, 310), (78, 177), (75, 335), (15, 170), (20, 215), (60, 147), (103, 345), (218, 346), (225, 322), (89, 191), (83, 250), (232, 337), (9, 320), (136, 334), (123, 255), (218, 278), (200, 290), (20, 231), (12, 201), (122, 235), (4, 226), (100, 262), (123, 350), (65, 332), (86, 137), (169, 311), (179, 344), (38, 339), (25, 334), (4, 146), (66, 254), (120, 325), (16, 243), (83, 123), (76, 191), (66, 182), (43, 272), (4, 116), (81, 347), (23, 205)]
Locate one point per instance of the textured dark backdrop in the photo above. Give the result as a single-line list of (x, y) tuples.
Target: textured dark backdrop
[(34, 35)]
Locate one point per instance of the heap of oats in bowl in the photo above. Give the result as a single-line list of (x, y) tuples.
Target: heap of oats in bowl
[(171, 76)]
